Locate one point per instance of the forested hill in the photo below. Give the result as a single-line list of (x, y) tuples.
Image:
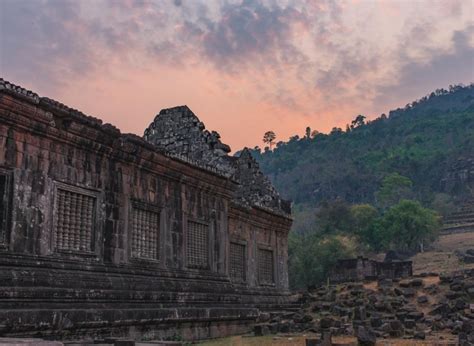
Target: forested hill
[(420, 141)]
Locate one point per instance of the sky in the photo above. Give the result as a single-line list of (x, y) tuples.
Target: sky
[(243, 66)]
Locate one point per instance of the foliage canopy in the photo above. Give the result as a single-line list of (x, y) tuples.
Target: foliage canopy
[(367, 188), (421, 142)]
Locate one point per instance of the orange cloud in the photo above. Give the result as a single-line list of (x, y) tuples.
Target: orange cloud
[(243, 67)]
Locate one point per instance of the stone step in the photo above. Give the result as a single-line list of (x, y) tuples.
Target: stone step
[(285, 309), (461, 213), (459, 221), (467, 205), (465, 210), (461, 228), (463, 224), (28, 342)]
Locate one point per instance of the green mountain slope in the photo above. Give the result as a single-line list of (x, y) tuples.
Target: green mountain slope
[(422, 141)]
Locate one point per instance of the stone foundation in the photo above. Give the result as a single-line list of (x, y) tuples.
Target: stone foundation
[(460, 221), (359, 269)]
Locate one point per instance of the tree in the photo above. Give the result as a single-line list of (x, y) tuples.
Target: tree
[(312, 257), (333, 217), (308, 132), (443, 204), (420, 143), (374, 236), (358, 121), (363, 215), (314, 133), (294, 138), (304, 220), (394, 188), (269, 138), (407, 226), (366, 225)]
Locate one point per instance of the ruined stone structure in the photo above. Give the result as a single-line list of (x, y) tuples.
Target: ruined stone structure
[(412, 308), (104, 233), (461, 220), (459, 181), (459, 178), (361, 268)]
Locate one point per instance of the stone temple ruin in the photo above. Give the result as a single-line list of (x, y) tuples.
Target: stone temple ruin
[(110, 234), (460, 181), (361, 268)]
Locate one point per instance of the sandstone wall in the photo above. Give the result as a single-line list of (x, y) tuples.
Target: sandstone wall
[(258, 230), (105, 279)]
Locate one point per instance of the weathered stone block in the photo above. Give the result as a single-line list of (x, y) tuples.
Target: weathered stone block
[(113, 234)]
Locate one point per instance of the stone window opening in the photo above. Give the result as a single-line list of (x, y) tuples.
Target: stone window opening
[(145, 233), (5, 197), (265, 267), (197, 245), (237, 262), (74, 221)]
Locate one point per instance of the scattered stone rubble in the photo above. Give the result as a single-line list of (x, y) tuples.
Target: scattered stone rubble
[(466, 256), (111, 341), (412, 308)]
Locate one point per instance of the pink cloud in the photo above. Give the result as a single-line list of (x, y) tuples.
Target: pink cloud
[(243, 67)]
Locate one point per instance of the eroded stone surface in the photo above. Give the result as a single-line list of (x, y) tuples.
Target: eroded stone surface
[(179, 131), (360, 268), (81, 204)]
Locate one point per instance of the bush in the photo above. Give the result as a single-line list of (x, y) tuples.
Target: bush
[(407, 226), (311, 257), (339, 231)]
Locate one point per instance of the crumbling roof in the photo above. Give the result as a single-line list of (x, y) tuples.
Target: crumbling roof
[(255, 188), (178, 130), (64, 111)]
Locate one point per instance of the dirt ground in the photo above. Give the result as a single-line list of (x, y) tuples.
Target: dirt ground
[(299, 340), (452, 242), (441, 258), (438, 338)]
